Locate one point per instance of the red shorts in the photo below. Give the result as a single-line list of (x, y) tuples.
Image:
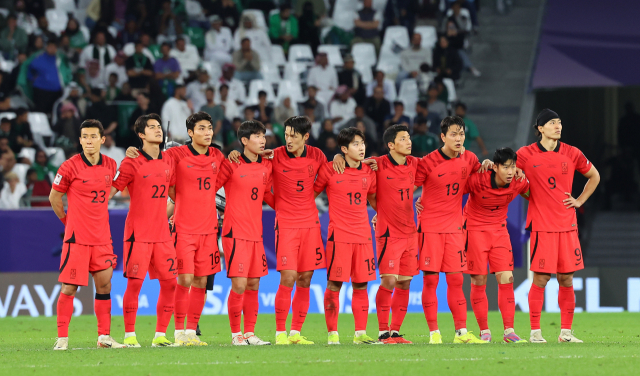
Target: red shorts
[(442, 252), (77, 261), (197, 254), (299, 249), (355, 260), (398, 256), (157, 258), (556, 252), (493, 247), (245, 258)]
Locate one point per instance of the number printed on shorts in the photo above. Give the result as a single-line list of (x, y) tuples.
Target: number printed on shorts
[(215, 258), (172, 261), (371, 265), (578, 254)]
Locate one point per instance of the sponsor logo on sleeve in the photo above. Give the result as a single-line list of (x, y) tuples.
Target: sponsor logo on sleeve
[(58, 179)]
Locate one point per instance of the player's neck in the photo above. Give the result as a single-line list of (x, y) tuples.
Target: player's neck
[(351, 162), (250, 155), (152, 149), (298, 153), (399, 158), (200, 148), (549, 143), (449, 153), (92, 158), (499, 181)]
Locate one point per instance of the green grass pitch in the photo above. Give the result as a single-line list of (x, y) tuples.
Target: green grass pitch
[(612, 347)]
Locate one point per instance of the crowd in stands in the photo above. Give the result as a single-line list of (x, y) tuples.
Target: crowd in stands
[(342, 63)]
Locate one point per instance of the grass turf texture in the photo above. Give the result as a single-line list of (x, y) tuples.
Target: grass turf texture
[(612, 346)]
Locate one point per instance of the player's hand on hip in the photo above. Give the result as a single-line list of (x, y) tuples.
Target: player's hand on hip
[(374, 220), (372, 163), (234, 156), (267, 153), (132, 152), (171, 222), (338, 163), (486, 165), (519, 174), (419, 207), (571, 202)]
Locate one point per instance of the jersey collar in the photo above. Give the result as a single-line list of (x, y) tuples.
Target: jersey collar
[(304, 153), (446, 157), (84, 158), (393, 161), (494, 185), (149, 158), (357, 168), (195, 152), (247, 160), (542, 149)]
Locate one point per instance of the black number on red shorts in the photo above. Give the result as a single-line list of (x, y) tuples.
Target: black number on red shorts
[(254, 193), (463, 256), (264, 261), (171, 269), (578, 254), (371, 264), (318, 254), (215, 258), (99, 197)]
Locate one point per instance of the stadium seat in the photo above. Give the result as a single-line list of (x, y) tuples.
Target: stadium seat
[(258, 16), (301, 53), (389, 61), (87, 34), (277, 55), (333, 54), (293, 71), (57, 20), (81, 16), (451, 88), (289, 89), (270, 72), (39, 123), (364, 54), (113, 31), (129, 48), (464, 12), (325, 96), (342, 6), (196, 35), (29, 153), (214, 71), (273, 11), (409, 96), (68, 6), (429, 36), (194, 10), (396, 37), (344, 20), (56, 156), (8, 115), (365, 71), (379, 5), (256, 86)]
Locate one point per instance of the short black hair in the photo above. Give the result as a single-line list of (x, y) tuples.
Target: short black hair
[(245, 39), (461, 104), (52, 40), (92, 123), (346, 136), (299, 124), (223, 86), (209, 88), (390, 134), (141, 123), (5, 120), (423, 104), (503, 155), (262, 93), (21, 111), (450, 121), (193, 119), (398, 103), (250, 127), (165, 44)]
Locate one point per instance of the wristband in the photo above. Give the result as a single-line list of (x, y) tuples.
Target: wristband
[(64, 220)]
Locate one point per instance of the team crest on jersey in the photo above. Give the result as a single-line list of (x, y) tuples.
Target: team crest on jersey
[(509, 197), (179, 263), (107, 180), (470, 264), (565, 167), (214, 167), (134, 270), (411, 179), (427, 261), (310, 169), (391, 264), (72, 274), (240, 268), (541, 264), (339, 272), (283, 260), (168, 175), (464, 172), (364, 183)]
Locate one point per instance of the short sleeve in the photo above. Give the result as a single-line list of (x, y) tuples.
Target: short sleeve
[(421, 173), (522, 159), (525, 186), (226, 170), (320, 157), (323, 178), (373, 187), (472, 184), (583, 165), (125, 175), (173, 171), (474, 163), (63, 178)]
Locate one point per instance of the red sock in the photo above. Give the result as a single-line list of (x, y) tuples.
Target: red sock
[(567, 303), (300, 307), (457, 301), (506, 304), (164, 309), (181, 300), (536, 300), (283, 303), (399, 304), (250, 308), (234, 304), (102, 308), (64, 312), (360, 308), (430, 300), (196, 304), (383, 306), (480, 305), (331, 308), (130, 303)]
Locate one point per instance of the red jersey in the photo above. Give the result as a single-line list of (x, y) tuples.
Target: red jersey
[(148, 181), (87, 187), (347, 192), (293, 187), (488, 204), (395, 186), (551, 175), (443, 182), (196, 174), (244, 186)]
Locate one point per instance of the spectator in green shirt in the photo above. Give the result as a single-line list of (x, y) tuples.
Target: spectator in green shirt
[(14, 40), (471, 130), (44, 168), (422, 141), (283, 27)]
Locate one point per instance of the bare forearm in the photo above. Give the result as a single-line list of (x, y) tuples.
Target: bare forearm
[(57, 205), (589, 188)]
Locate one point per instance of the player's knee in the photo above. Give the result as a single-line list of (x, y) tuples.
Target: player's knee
[(479, 280), (388, 281), (185, 280), (168, 285), (565, 280), (504, 277), (253, 284), (334, 286), (541, 280), (304, 279), (455, 279), (199, 282), (359, 286), (288, 278), (69, 290), (404, 284)]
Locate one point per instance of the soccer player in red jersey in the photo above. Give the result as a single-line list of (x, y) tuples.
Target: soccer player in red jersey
[(245, 184), (197, 165), (87, 248), (147, 239), (349, 248), (551, 218), (487, 239), (299, 247), (444, 174), (396, 236)]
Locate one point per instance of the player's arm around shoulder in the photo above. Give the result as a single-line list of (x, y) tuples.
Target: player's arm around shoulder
[(324, 174), (122, 177)]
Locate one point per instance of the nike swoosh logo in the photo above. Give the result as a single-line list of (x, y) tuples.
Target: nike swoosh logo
[(286, 171), (440, 175), (190, 166), (460, 303), (510, 264), (146, 176), (242, 176), (389, 177), (318, 263), (84, 181), (534, 166), (372, 273), (485, 197), (338, 182)]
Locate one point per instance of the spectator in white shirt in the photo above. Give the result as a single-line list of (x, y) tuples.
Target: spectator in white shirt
[(118, 68), (94, 58), (231, 109), (386, 84), (176, 110), (260, 41), (236, 89), (196, 90), (342, 108), (12, 191), (219, 42), (412, 58), (187, 57), (323, 76), (110, 149)]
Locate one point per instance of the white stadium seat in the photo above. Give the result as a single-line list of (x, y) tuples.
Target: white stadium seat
[(293, 71), (277, 55), (365, 71), (429, 36), (344, 20), (57, 20), (301, 53), (409, 96), (364, 54), (39, 123), (289, 89), (396, 36), (270, 72), (258, 16), (333, 54), (255, 87), (451, 88), (389, 62), (68, 6)]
